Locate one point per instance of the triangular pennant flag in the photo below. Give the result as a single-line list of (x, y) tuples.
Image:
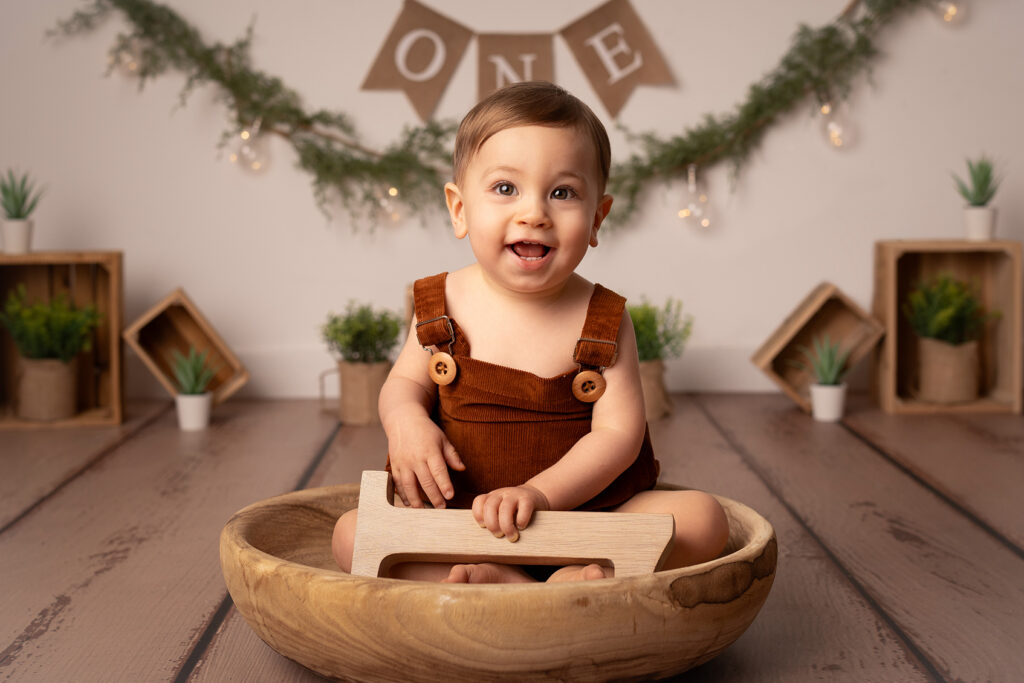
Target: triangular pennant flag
[(506, 58)]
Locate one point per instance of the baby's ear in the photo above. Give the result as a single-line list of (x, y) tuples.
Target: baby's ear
[(456, 209), (603, 207)]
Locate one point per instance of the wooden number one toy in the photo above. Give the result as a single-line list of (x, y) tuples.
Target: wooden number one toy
[(632, 543)]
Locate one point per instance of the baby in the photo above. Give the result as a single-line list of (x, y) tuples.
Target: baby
[(546, 411)]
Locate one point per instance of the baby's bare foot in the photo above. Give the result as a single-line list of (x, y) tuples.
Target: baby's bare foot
[(487, 573), (578, 572)]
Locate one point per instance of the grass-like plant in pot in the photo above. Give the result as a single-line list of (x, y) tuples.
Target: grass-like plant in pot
[(828, 363), (362, 339), (193, 375), (978, 190), (661, 333), (49, 336), (18, 197), (948, 318)]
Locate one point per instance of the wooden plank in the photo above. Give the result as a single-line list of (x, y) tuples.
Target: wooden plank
[(36, 463), (952, 588), (975, 460), (118, 572), (795, 638)]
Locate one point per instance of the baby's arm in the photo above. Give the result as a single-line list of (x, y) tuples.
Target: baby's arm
[(617, 432), (420, 453)]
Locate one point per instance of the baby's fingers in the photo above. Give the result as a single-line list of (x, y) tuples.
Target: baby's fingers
[(507, 516), (407, 488), (426, 475)]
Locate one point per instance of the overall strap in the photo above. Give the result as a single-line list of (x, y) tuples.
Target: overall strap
[(596, 347), (432, 324)]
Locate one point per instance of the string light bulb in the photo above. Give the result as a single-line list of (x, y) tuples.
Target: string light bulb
[(696, 211), (835, 126), (127, 58), (251, 152), (950, 11), (387, 199)]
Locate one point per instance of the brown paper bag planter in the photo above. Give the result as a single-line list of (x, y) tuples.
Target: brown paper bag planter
[(277, 564), (947, 373), (176, 323), (826, 310), (46, 389)]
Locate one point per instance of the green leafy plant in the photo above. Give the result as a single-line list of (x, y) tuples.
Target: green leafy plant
[(53, 329), (983, 183), (18, 196), (946, 309), (660, 332), (191, 372), (361, 334), (827, 362)]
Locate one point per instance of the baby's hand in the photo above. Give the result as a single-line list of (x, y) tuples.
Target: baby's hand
[(504, 512), (420, 456)]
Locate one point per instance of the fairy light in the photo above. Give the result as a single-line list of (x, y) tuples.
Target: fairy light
[(696, 209), (251, 151)]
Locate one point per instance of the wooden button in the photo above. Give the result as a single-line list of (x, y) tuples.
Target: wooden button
[(588, 386), (442, 368)]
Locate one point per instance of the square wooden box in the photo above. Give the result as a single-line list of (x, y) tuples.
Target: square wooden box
[(994, 268), (176, 323), (826, 310), (87, 278)]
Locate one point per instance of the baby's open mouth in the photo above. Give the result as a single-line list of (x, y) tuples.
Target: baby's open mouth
[(529, 251)]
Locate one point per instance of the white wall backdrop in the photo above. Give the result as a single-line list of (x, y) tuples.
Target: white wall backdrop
[(131, 170)]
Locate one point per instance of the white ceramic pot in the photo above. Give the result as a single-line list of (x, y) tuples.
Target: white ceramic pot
[(980, 223), (828, 401), (17, 236), (194, 411)]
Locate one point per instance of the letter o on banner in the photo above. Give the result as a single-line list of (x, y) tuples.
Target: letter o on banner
[(402, 55)]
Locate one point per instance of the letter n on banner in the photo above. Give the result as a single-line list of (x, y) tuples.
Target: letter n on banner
[(506, 58), (419, 57), (616, 52)]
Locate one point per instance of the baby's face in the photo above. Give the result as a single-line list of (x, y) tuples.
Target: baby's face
[(531, 202)]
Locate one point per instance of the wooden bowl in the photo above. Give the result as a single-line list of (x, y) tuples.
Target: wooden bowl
[(276, 558)]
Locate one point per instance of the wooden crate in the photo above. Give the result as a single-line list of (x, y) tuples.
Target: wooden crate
[(176, 323), (994, 268), (826, 310), (87, 278)]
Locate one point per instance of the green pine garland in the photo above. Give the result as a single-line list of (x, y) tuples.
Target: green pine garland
[(821, 61)]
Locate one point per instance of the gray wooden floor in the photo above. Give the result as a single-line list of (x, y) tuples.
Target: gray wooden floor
[(900, 538)]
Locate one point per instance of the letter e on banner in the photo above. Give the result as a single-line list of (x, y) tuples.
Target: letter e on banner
[(616, 52), (419, 57), (506, 58)]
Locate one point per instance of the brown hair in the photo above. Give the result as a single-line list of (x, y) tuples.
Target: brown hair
[(532, 103)]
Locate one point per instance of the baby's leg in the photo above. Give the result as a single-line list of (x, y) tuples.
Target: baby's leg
[(702, 529)]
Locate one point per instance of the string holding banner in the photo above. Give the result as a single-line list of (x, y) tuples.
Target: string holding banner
[(611, 45)]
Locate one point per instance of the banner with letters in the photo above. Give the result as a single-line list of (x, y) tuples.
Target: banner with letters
[(611, 45)]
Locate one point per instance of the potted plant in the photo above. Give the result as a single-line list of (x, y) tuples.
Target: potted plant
[(49, 337), (362, 340), (948, 320), (827, 362), (18, 197), (978, 190), (661, 333), (193, 376)]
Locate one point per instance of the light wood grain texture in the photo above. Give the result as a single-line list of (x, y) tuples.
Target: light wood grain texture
[(995, 269), (86, 278), (826, 310), (175, 324), (35, 463), (956, 591), (632, 544), (976, 460), (117, 573), (277, 565)]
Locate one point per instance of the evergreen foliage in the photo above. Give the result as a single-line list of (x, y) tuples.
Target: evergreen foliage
[(660, 332), (191, 372), (48, 330), (946, 309), (361, 335), (820, 61)]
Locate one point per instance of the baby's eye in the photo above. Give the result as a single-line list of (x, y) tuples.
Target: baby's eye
[(563, 193), (504, 188)]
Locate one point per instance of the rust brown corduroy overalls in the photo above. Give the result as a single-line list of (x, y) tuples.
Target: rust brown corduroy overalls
[(508, 425)]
